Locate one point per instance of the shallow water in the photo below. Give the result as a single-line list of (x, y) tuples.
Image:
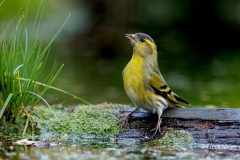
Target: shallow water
[(109, 148)]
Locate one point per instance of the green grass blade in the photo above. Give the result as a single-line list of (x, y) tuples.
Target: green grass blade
[(46, 104), (2, 2), (41, 119), (5, 104), (15, 71), (57, 89)]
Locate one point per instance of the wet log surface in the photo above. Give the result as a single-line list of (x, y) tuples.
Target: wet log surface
[(207, 126)]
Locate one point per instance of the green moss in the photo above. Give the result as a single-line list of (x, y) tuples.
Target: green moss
[(13, 131), (95, 120), (173, 139)]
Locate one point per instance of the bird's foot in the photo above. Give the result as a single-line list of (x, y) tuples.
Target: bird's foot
[(124, 122), (126, 119), (157, 128)]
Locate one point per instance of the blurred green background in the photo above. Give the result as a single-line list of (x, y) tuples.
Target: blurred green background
[(198, 46)]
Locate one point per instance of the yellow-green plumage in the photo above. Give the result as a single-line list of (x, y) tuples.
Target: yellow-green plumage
[(143, 81)]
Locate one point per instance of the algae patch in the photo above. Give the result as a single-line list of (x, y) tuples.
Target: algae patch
[(97, 120), (173, 139)]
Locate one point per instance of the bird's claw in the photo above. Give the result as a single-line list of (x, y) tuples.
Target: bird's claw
[(126, 119), (157, 128), (124, 122)]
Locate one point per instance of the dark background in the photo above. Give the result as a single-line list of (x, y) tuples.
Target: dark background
[(198, 46)]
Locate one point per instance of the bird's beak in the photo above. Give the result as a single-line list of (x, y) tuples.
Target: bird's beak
[(132, 38)]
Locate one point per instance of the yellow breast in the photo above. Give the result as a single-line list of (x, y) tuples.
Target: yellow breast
[(135, 80)]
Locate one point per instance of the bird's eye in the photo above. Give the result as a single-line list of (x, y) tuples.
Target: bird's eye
[(142, 40)]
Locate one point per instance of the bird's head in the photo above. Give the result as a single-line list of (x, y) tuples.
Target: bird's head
[(142, 43)]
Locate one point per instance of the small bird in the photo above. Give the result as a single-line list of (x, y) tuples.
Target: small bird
[(143, 81)]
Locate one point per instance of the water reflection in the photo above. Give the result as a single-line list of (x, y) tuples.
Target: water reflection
[(109, 150)]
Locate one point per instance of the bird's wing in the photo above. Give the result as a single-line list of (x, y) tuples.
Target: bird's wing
[(160, 87)]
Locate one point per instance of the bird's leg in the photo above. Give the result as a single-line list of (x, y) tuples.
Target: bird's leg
[(158, 128), (126, 119)]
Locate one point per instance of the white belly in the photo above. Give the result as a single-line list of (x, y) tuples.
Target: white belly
[(156, 103)]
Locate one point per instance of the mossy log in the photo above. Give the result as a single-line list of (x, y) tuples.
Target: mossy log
[(207, 126)]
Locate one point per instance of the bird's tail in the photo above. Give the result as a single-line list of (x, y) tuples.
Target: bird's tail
[(181, 100)]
